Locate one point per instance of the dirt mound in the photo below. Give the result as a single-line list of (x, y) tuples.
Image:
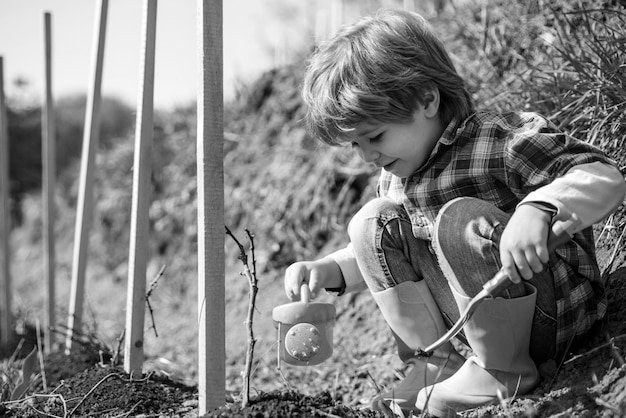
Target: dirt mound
[(109, 392)]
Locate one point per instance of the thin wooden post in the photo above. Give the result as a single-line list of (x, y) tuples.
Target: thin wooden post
[(84, 207), (48, 138), (6, 318), (139, 223), (210, 177), (321, 24), (336, 16)]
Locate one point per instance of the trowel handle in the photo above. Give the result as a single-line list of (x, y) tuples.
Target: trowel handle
[(305, 293), (560, 233)]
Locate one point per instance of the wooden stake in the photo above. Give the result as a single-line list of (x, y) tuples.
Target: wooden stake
[(6, 318), (210, 174), (336, 16), (85, 193), (142, 171), (49, 184)]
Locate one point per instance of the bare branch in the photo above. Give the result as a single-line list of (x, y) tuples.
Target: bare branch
[(610, 343), (253, 283), (153, 286)]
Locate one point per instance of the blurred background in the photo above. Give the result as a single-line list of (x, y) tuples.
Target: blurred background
[(258, 35)]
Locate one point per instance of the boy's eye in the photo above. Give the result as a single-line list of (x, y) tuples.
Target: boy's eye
[(377, 138)]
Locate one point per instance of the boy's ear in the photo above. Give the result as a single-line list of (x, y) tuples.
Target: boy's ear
[(431, 103)]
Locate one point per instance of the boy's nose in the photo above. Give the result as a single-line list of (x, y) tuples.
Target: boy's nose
[(368, 155)]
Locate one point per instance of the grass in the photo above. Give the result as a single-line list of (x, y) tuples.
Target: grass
[(585, 89)]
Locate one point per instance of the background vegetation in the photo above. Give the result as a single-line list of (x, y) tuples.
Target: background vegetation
[(564, 60)]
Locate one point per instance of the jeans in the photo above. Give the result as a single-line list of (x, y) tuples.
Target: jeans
[(463, 253)]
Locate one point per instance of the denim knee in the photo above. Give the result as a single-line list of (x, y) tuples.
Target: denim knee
[(465, 218), (466, 238), (382, 241), (376, 208)]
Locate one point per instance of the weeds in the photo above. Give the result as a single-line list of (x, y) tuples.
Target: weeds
[(583, 87), (17, 380)]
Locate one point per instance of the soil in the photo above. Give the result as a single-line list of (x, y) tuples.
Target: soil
[(589, 382), (84, 387)]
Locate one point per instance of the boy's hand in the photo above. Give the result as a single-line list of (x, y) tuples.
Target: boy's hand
[(317, 274), (524, 243)]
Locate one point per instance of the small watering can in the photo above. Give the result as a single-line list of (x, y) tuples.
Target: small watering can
[(305, 330)]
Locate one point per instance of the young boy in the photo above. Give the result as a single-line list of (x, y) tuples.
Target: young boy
[(461, 195)]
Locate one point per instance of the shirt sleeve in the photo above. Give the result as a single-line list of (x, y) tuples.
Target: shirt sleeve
[(592, 191), (537, 153), (352, 277)]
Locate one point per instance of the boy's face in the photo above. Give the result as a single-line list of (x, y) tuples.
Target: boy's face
[(399, 148)]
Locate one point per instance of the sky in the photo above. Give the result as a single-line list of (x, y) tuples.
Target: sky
[(258, 34)]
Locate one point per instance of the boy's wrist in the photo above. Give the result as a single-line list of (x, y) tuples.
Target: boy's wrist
[(547, 208), (333, 280)]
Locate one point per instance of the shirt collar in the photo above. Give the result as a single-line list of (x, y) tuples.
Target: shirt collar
[(453, 131), (449, 136)]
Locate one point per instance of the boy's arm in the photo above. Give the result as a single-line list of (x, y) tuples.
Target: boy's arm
[(591, 191), (352, 277)]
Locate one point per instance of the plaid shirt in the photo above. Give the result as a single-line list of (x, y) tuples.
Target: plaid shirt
[(501, 159)]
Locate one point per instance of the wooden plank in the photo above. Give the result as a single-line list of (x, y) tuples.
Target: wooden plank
[(210, 177), (48, 139), (84, 209), (142, 171), (336, 16), (6, 319)]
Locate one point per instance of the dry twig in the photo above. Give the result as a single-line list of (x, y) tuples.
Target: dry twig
[(92, 390), (115, 359), (153, 286), (127, 414), (253, 283), (37, 395), (609, 343), (100, 382)]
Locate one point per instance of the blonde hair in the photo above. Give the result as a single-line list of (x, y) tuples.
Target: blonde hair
[(378, 70)]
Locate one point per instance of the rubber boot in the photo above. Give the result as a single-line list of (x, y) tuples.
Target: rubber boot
[(499, 334), (416, 322)]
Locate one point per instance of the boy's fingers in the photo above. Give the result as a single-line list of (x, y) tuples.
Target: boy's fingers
[(543, 254), (522, 265), (535, 263), (314, 283), (508, 264), (294, 276)]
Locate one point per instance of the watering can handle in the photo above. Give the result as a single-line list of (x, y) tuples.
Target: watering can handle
[(305, 293)]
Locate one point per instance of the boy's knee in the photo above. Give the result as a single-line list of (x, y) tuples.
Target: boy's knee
[(460, 207), (463, 218), (374, 209)]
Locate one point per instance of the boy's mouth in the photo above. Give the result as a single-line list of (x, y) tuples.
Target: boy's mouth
[(389, 166)]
